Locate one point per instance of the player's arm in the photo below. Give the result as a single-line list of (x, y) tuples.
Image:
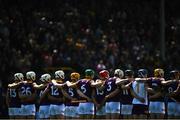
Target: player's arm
[(167, 82), (97, 83), (156, 95), (112, 94), (121, 81), (58, 84), (36, 86), (94, 98), (81, 94), (127, 86), (72, 85), (176, 92), (14, 85), (44, 94), (65, 94), (133, 93)]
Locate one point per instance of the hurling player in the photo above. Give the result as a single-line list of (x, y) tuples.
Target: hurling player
[(156, 105), (13, 100)]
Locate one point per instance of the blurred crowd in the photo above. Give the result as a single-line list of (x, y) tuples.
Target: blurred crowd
[(38, 34)]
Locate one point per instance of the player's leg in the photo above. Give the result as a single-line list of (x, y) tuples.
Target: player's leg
[(140, 111), (11, 113), (81, 110), (108, 110), (101, 113), (115, 110), (152, 109), (89, 107), (52, 112), (160, 110), (44, 112), (31, 110), (171, 109), (60, 111), (126, 111), (177, 110), (71, 112), (157, 110)]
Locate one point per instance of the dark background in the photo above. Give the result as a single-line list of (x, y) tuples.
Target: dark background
[(47, 35)]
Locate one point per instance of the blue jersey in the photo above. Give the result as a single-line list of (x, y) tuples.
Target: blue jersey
[(171, 88), (84, 86), (14, 100), (110, 86), (27, 90), (55, 92)]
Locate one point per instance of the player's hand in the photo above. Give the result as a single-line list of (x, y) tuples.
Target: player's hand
[(74, 99), (89, 99), (106, 97), (142, 100)]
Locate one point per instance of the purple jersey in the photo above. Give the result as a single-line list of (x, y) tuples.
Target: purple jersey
[(110, 86), (55, 92), (125, 94), (171, 88), (14, 100), (45, 100), (155, 84), (99, 95), (27, 89), (73, 93), (84, 86)]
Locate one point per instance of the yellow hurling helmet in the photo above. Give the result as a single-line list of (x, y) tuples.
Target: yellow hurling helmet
[(75, 76), (158, 72)]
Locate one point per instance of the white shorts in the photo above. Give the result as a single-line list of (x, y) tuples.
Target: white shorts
[(86, 108), (177, 111), (14, 111), (101, 111), (44, 111), (112, 107), (71, 111), (56, 109), (157, 107), (126, 109), (28, 110), (171, 108)]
